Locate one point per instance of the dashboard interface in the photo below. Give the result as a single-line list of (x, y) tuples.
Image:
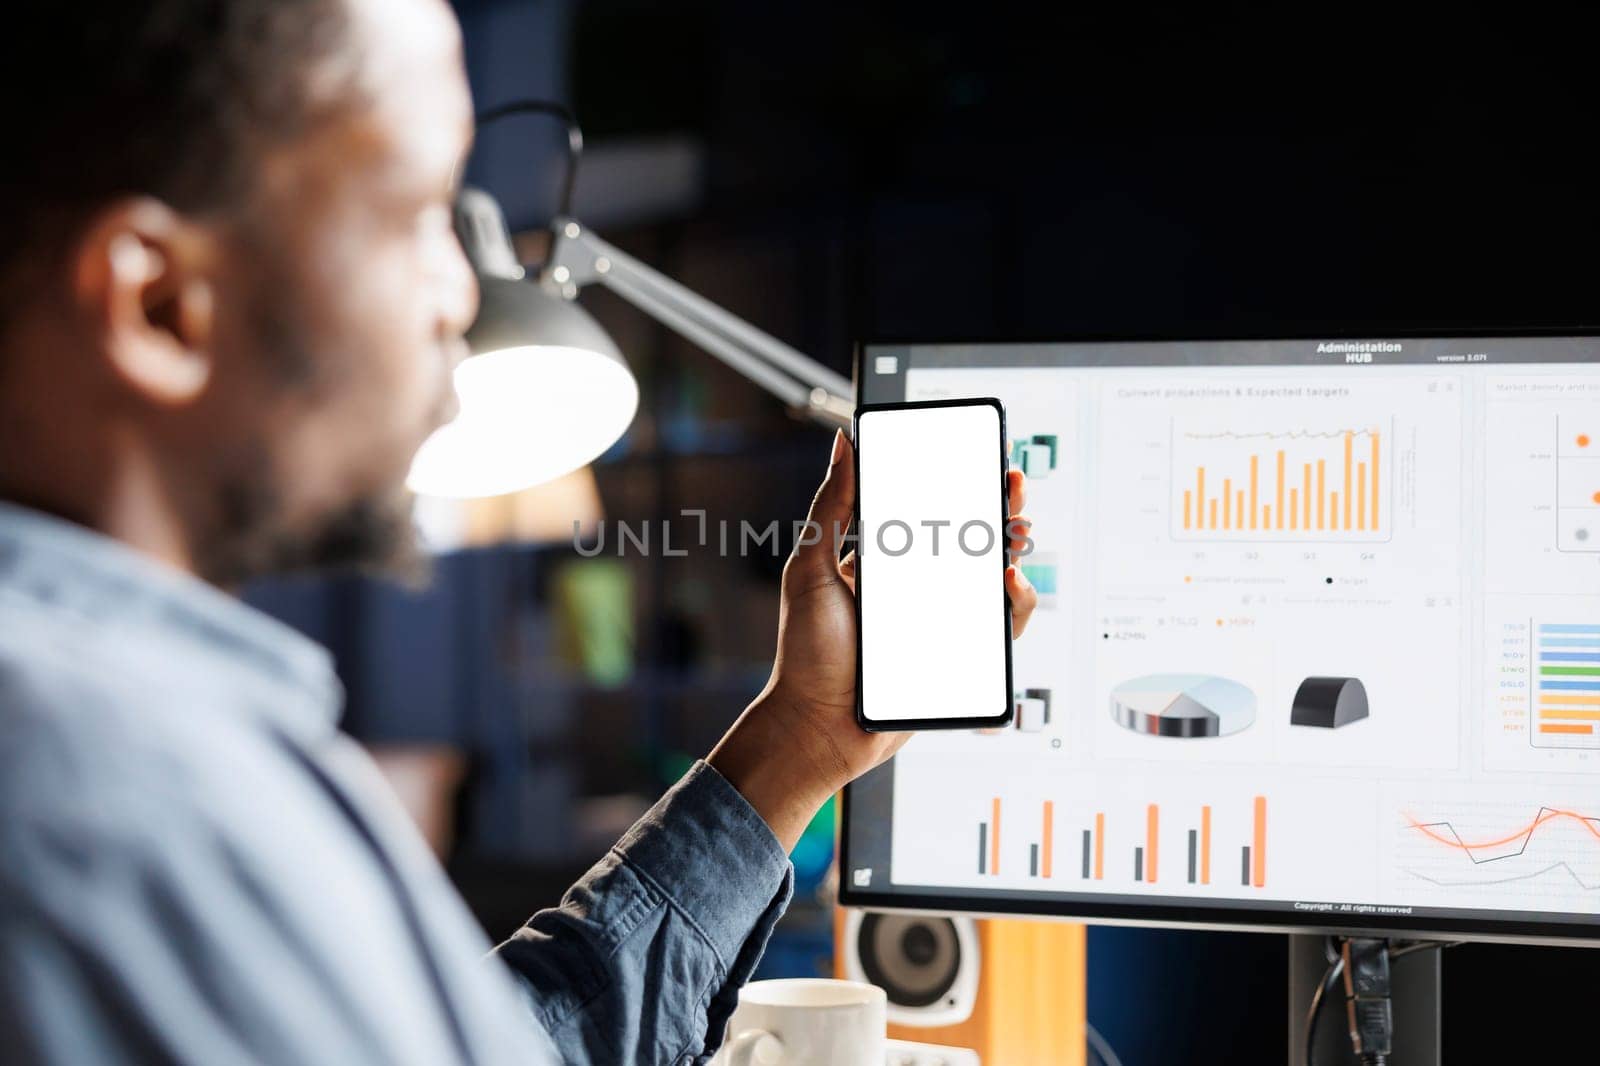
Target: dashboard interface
[(1318, 641)]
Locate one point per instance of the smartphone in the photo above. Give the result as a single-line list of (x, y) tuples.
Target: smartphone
[(933, 622)]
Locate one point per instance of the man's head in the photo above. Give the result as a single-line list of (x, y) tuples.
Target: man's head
[(230, 294)]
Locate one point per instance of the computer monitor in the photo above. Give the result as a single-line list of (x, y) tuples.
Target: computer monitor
[(1317, 644)]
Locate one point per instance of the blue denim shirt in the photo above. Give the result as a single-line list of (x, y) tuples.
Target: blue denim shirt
[(196, 866)]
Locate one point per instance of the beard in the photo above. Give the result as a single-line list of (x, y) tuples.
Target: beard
[(374, 534)]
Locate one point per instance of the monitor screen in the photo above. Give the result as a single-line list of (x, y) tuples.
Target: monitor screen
[(1317, 643)]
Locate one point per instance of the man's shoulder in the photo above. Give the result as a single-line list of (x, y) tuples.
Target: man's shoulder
[(65, 732), (88, 747), (104, 808), (65, 707), (116, 757)]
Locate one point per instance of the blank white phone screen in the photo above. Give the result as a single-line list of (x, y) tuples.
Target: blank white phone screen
[(934, 640)]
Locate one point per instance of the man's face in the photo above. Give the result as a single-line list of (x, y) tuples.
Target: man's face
[(343, 297)]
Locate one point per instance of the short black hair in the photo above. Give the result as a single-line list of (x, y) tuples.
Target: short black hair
[(174, 99)]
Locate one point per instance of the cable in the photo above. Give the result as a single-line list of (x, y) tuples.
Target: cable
[(1368, 997), (1423, 945), (1335, 949), (1329, 978), (1101, 1049), (532, 106)]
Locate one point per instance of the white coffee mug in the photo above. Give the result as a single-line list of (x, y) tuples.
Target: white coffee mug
[(806, 1021)]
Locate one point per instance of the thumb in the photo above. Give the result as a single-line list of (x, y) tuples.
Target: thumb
[(817, 548)]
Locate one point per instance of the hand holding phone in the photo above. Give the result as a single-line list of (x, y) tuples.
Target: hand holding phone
[(933, 613), (800, 740)]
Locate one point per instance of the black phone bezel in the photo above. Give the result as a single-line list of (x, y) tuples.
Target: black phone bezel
[(899, 725)]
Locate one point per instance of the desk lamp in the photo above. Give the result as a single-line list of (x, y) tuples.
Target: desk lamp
[(545, 389)]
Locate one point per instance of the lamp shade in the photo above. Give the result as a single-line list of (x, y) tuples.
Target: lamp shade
[(545, 390)]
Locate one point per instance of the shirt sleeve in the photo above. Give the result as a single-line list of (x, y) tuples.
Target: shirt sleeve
[(643, 959)]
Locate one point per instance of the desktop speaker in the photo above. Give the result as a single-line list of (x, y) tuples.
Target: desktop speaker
[(927, 967), (1013, 991)]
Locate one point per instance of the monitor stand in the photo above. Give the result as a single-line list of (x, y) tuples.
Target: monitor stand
[(1417, 1008)]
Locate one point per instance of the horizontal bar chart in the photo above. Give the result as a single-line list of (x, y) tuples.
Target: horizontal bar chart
[(1566, 696)]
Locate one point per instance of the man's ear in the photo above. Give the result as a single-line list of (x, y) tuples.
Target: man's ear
[(144, 276)]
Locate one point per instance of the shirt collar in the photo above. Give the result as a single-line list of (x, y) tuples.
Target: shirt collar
[(62, 566)]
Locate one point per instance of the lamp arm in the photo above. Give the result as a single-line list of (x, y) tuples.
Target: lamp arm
[(580, 258)]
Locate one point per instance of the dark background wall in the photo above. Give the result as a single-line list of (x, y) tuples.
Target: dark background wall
[(834, 173)]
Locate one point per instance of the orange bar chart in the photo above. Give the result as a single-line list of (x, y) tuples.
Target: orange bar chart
[(1049, 820), (1152, 841), (1195, 835), (1298, 483), (1253, 856), (1278, 508), (1255, 463), (1100, 847), (1374, 468), (1258, 859), (994, 840), (1322, 469), (1349, 442)]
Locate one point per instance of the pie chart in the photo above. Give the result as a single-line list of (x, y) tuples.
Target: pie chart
[(1183, 705)]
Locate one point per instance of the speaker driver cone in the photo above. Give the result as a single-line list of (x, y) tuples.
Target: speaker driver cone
[(914, 959)]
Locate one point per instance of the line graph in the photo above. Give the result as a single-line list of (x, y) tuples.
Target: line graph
[(1535, 875), (1499, 850), (1285, 434), (1520, 838)]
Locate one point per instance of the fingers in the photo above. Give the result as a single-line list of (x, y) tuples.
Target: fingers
[(1024, 598), (847, 570), (1017, 524), (816, 553), (1019, 530)]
